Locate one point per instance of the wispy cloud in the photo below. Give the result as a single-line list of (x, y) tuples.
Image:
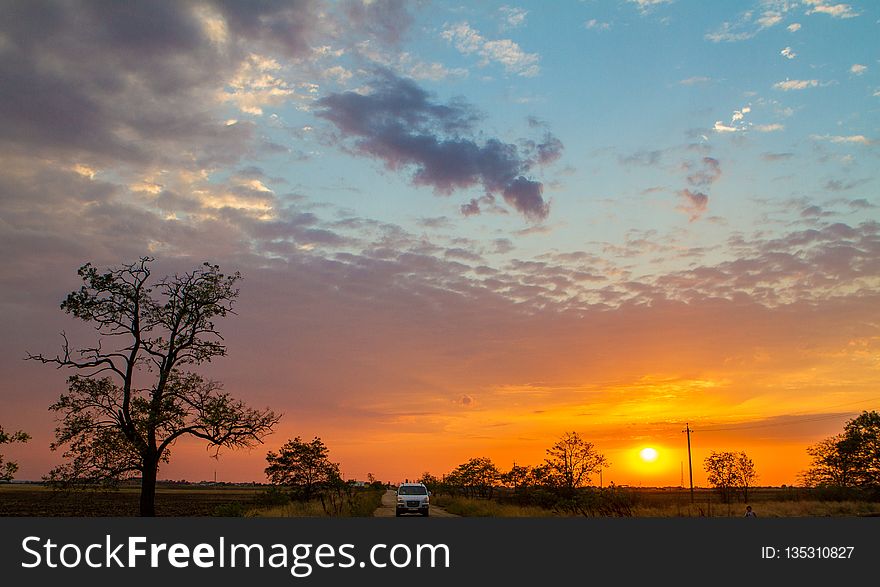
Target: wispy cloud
[(858, 69), (768, 127), (843, 139), (834, 10), (503, 51), (594, 24), (728, 33), (796, 84), (646, 6), (695, 80), (406, 64), (794, 27), (788, 53), (513, 17)]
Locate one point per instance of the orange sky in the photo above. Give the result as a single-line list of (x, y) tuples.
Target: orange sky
[(462, 235), (396, 402)]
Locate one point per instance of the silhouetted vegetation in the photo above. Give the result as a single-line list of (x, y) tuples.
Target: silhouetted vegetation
[(8, 469), (131, 399), (847, 465), (561, 484), (730, 473)]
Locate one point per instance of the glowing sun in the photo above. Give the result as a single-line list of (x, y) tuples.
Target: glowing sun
[(649, 455)]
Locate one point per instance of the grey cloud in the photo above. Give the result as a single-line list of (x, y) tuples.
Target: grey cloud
[(644, 158), (707, 174), (836, 185), (383, 20), (701, 176), (777, 156), (400, 125), (694, 203), (861, 204), (815, 212), (113, 82)]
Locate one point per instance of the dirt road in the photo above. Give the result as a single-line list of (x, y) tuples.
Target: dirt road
[(389, 501)]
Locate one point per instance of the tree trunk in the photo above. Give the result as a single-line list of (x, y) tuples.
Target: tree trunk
[(148, 489)]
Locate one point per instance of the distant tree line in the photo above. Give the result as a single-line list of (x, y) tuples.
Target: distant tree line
[(563, 482)]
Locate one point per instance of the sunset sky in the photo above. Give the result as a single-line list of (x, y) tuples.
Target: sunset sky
[(464, 228)]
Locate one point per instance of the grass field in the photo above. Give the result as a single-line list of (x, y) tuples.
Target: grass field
[(194, 501), (362, 506), (670, 503), (184, 501), (37, 500)]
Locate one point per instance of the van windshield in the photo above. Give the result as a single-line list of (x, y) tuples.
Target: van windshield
[(412, 490)]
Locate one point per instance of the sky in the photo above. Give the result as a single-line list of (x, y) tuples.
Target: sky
[(464, 228)]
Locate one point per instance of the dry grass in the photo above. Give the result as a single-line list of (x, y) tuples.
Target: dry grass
[(767, 509), (363, 505), (674, 504), (484, 508)]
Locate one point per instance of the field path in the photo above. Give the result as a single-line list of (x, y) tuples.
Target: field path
[(389, 501)]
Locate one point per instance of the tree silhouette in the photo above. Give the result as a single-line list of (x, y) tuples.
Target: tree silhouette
[(729, 472), (131, 399), (304, 467), (8, 469), (571, 462), (850, 459)]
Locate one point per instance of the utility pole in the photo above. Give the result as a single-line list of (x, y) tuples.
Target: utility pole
[(687, 429)]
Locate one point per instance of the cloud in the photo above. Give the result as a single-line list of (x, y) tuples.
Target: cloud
[(748, 24), (144, 84), (728, 33), (254, 85), (694, 203), (642, 158), (834, 10), (405, 64), (384, 20), (796, 84), (706, 174), (695, 80), (738, 123), (794, 27), (594, 24), (777, 156), (843, 139), (721, 127), (769, 18), (504, 51), (513, 17), (858, 69), (399, 124), (701, 176), (788, 53), (646, 6)]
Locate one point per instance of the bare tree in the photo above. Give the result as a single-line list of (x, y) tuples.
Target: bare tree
[(129, 403), (8, 469)]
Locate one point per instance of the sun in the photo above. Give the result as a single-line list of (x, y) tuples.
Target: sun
[(649, 455)]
